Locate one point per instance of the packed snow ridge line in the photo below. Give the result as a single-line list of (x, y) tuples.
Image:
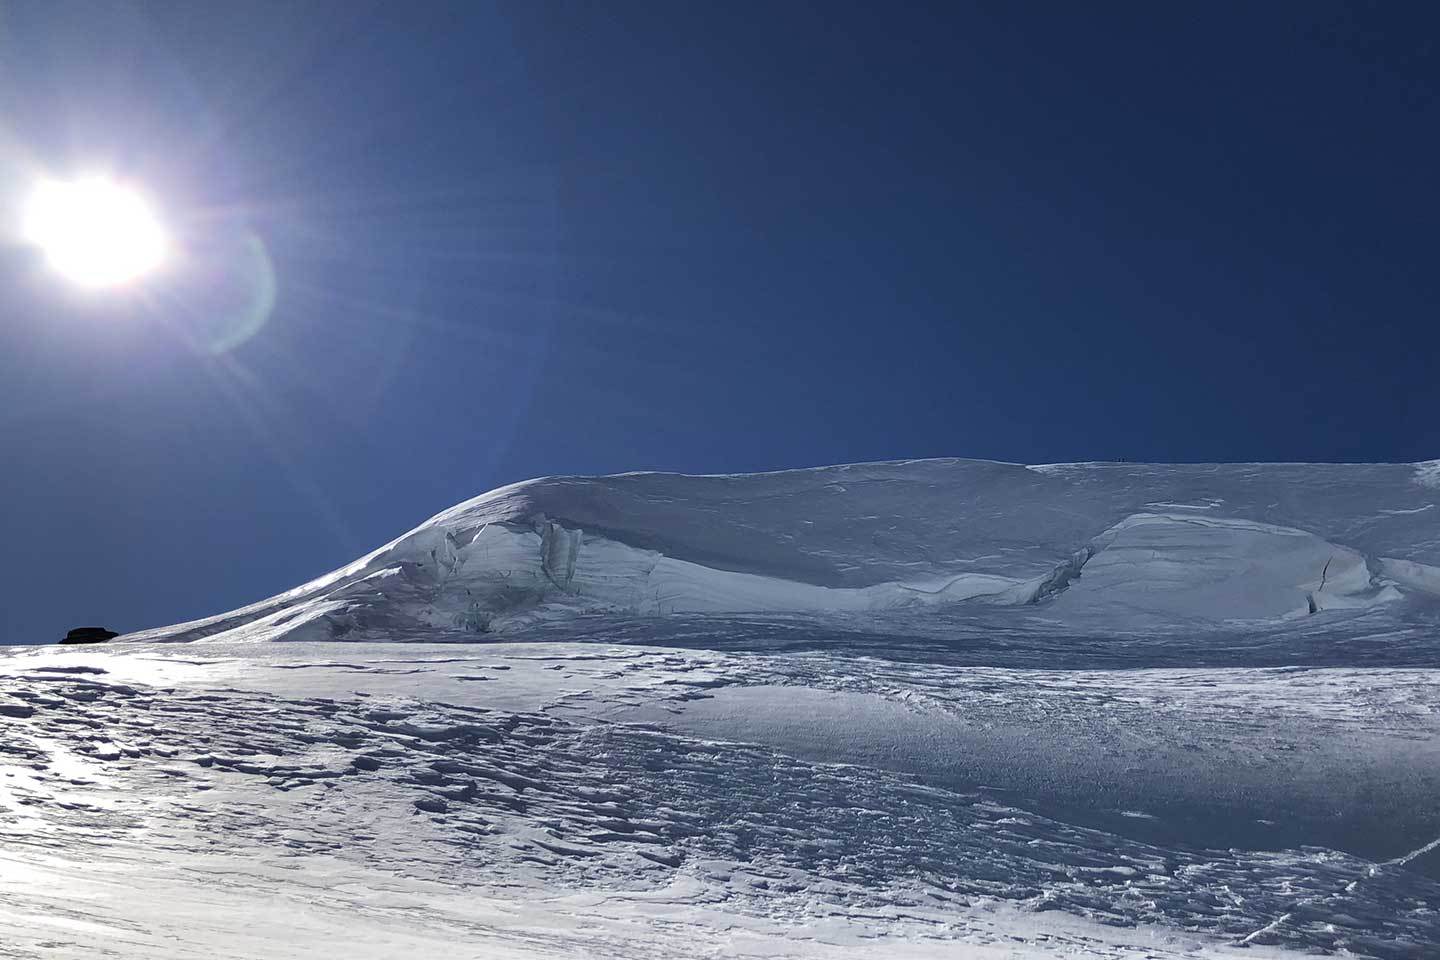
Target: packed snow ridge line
[(1105, 545)]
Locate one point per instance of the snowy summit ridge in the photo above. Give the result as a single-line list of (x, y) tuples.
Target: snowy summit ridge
[(1105, 545), (920, 710)]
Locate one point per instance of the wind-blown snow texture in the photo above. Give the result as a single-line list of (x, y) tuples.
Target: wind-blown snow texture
[(934, 708)]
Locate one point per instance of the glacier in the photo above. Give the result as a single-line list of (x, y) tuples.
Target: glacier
[(931, 708), (1161, 546)]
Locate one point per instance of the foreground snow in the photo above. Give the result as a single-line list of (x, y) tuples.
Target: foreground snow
[(939, 709), (566, 799)]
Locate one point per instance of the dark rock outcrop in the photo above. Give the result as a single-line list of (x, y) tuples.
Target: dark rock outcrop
[(89, 635)]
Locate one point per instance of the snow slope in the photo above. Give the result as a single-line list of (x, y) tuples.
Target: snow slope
[(1105, 546), (931, 709), (536, 800)]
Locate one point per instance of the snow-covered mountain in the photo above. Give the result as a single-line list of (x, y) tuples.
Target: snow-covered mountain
[(930, 709), (1110, 546)]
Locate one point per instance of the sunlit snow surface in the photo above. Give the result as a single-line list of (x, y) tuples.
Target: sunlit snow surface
[(1110, 726)]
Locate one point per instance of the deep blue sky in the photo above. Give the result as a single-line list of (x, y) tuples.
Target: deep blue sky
[(534, 238)]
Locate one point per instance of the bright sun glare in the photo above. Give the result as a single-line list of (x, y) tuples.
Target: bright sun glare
[(95, 232)]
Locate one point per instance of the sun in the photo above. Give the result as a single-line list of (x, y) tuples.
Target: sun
[(95, 232)]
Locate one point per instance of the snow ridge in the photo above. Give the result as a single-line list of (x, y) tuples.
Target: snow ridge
[(1168, 545), (1427, 474)]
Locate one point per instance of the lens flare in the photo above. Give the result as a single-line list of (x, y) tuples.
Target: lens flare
[(95, 232)]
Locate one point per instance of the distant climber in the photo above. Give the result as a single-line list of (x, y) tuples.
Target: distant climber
[(89, 635)]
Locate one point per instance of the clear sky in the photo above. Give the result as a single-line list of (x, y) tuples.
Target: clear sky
[(450, 246)]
